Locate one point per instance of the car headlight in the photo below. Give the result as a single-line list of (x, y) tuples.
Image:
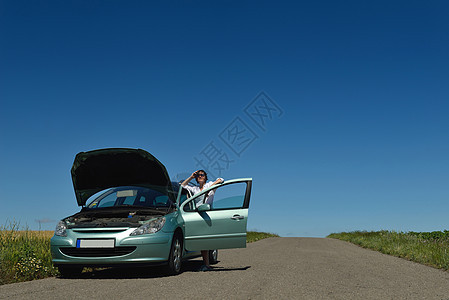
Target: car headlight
[(150, 227), (61, 229)]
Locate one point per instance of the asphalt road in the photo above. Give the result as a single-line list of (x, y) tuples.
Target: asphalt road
[(285, 268)]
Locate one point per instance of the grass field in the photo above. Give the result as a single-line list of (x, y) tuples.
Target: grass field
[(429, 248), (25, 254), (254, 236)]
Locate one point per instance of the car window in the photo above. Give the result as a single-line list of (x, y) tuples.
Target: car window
[(107, 202), (136, 196), (185, 194), (183, 198), (229, 196), (129, 200)]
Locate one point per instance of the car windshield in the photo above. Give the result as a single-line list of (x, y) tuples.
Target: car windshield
[(132, 196)]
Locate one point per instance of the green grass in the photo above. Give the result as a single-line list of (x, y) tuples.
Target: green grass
[(429, 248), (254, 236), (25, 254)]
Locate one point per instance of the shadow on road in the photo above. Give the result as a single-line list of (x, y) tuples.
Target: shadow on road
[(193, 266), (146, 272)]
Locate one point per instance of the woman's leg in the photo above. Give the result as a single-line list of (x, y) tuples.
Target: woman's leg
[(205, 254)]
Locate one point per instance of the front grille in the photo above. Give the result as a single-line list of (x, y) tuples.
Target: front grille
[(97, 252), (99, 231)]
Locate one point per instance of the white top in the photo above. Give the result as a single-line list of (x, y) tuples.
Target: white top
[(196, 189)]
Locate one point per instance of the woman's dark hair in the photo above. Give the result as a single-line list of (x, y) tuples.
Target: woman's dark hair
[(205, 175)]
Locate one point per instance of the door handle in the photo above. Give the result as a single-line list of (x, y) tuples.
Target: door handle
[(237, 217)]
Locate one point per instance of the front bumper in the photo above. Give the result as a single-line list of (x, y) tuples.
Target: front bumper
[(144, 249)]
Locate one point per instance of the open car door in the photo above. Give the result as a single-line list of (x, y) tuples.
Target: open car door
[(220, 224)]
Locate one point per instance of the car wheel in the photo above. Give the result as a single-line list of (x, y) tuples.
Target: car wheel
[(213, 256), (70, 271), (175, 257)]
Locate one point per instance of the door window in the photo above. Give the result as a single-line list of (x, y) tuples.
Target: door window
[(229, 196)]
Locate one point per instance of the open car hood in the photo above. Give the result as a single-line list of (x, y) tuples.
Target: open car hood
[(96, 170)]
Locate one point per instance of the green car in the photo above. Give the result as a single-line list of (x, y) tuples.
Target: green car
[(136, 216)]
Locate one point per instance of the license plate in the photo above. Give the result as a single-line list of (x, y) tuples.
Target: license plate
[(106, 243)]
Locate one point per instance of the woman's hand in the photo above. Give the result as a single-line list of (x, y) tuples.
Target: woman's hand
[(185, 182)]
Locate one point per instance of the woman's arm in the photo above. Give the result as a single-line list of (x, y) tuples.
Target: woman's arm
[(185, 182), (219, 180)]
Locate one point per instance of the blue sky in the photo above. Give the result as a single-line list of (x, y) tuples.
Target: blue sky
[(359, 140)]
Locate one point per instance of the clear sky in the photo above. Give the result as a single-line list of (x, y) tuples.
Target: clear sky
[(354, 107)]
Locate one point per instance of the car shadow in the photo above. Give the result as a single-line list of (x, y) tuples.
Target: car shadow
[(145, 272), (193, 266), (120, 273)]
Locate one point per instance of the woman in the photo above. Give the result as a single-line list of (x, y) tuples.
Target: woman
[(201, 179)]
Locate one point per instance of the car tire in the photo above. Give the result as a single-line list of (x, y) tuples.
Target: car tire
[(70, 271), (175, 257), (213, 257)]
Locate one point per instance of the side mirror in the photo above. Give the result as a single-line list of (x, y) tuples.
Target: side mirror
[(203, 207)]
